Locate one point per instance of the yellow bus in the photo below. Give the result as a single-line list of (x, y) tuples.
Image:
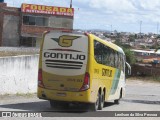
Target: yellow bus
[(80, 68)]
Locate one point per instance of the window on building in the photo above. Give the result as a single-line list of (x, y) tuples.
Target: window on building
[(41, 21), (60, 22), (26, 20), (54, 21), (32, 20), (67, 23), (35, 20), (28, 41)]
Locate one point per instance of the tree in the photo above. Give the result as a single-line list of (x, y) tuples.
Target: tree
[(135, 36), (130, 57), (131, 38), (157, 48)]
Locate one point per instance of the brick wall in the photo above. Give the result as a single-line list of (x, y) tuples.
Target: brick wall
[(37, 29), (14, 17), (1, 27), (3, 4), (7, 34), (1, 20)]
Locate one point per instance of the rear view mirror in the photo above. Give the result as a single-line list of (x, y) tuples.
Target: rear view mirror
[(128, 69)]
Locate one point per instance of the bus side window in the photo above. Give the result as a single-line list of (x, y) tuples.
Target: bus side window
[(98, 52), (106, 55), (119, 61), (112, 59), (116, 59), (123, 62)]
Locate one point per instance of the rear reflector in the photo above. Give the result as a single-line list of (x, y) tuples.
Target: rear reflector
[(40, 81), (86, 83)]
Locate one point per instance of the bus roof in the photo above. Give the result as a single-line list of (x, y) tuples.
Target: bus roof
[(109, 44)]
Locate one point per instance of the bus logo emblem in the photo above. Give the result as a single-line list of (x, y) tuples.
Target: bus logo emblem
[(65, 40)]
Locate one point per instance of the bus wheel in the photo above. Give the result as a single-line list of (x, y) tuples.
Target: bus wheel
[(65, 105), (95, 106), (54, 104), (101, 102), (117, 101)]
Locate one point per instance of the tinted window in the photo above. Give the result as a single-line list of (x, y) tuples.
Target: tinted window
[(107, 56)]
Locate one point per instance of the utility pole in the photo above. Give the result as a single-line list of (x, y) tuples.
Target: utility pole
[(71, 4), (157, 27), (140, 28), (111, 28)]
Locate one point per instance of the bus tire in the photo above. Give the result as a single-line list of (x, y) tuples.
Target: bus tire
[(59, 104), (95, 106), (117, 101), (101, 102), (65, 105), (54, 104)]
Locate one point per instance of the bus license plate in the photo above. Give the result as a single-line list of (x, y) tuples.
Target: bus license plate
[(61, 94)]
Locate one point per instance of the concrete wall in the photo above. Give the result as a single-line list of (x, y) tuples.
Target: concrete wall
[(18, 74), (11, 30)]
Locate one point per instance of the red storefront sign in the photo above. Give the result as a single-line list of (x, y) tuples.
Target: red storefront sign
[(41, 9)]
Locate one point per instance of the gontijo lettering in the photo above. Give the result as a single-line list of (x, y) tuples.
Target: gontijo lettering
[(64, 56)]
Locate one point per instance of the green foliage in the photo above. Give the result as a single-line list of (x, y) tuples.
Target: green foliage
[(118, 42), (132, 38), (158, 36), (142, 46), (155, 47), (135, 36), (158, 47), (156, 78), (130, 57)]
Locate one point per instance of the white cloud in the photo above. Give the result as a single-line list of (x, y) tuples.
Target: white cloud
[(64, 3), (127, 11), (122, 14), (114, 5), (147, 4)]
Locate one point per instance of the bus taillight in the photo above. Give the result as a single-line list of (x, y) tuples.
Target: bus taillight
[(40, 81), (86, 83)]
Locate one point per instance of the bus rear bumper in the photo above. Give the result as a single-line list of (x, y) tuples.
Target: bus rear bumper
[(67, 96)]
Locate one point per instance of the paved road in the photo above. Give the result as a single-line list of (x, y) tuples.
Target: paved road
[(140, 96)]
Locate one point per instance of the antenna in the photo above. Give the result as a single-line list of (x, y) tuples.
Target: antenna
[(71, 4)]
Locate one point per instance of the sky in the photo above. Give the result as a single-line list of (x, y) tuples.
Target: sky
[(120, 15)]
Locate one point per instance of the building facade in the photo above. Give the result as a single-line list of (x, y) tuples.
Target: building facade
[(24, 26)]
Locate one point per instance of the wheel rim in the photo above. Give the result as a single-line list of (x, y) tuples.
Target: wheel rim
[(102, 101), (97, 102)]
